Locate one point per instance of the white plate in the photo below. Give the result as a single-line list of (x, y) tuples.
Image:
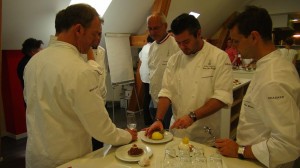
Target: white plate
[(167, 137), (122, 152)]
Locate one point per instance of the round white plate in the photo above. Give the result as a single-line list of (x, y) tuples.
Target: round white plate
[(122, 152), (167, 137)]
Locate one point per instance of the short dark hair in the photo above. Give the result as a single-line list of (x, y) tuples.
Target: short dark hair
[(58, 21), (185, 22), (31, 44), (75, 14), (253, 19)]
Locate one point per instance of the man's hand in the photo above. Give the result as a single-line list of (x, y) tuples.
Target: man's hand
[(156, 126), (182, 122), (133, 134), (90, 55), (227, 147)]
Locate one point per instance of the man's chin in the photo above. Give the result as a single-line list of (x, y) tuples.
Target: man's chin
[(186, 52), (190, 54)]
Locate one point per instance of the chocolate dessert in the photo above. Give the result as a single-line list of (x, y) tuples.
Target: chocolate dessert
[(135, 151)]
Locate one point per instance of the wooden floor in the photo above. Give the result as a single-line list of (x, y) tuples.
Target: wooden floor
[(13, 151)]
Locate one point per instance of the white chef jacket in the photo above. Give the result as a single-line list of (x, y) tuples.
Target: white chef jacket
[(99, 63), (289, 54), (159, 55), (269, 117), (189, 81), (144, 57), (64, 109)]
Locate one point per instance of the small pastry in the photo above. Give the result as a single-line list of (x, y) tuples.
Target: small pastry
[(135, 151)]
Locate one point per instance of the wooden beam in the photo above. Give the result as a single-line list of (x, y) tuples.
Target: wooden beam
[(138, 40), (225, 32), (161, 6)]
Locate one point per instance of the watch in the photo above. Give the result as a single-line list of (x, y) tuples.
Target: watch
[(193, 116), (241, 150)]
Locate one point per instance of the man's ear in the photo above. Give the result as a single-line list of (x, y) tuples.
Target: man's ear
[(78, 28), (255, 35)]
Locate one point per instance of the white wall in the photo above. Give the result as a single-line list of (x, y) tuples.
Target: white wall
[(22, 19)]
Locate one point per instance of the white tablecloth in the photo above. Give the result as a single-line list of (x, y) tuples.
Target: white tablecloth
[(105, 157)]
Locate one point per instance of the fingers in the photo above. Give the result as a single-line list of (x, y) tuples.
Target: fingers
[(221, 142), (144, 129), (133, 134), (178, 125), (155, 126), (182, 123)]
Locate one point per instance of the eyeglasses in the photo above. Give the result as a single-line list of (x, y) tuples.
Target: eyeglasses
[(154, 28)]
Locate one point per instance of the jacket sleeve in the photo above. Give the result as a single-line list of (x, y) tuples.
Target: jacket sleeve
[(280, 113), (223, 84), (90, 109)]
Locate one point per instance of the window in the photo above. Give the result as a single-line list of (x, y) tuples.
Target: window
[(100, 6)]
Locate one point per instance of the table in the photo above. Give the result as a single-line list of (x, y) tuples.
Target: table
[(105, 157), (243, 74)]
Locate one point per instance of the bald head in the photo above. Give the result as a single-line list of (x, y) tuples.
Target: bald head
[(160, 17), (157, 26)]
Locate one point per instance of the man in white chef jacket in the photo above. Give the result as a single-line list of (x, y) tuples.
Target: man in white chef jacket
[(160, 51), (197, 81), (269, 123), (96, 58), (64, 108)]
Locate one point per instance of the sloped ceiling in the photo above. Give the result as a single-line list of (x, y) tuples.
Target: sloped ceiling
[(212, 13), (35, 18)]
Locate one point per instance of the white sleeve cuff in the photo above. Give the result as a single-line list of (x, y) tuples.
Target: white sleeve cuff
[(261, 152), (223, 96)]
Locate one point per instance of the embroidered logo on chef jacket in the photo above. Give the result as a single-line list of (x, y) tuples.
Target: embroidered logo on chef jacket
[(248, 104), (94, 88), (275, 97), (165, 62), (209, 67)]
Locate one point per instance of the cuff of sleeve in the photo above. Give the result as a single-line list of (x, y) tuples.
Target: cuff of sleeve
[(261, 152), (124, 138), (164, 93), (223, 96)]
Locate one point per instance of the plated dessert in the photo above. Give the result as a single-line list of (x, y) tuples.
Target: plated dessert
[(185, 145), (135, 151), (157, 137)]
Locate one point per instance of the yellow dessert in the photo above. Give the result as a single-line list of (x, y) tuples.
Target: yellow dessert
[(157, 136), (184, 144), (185, 140)]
